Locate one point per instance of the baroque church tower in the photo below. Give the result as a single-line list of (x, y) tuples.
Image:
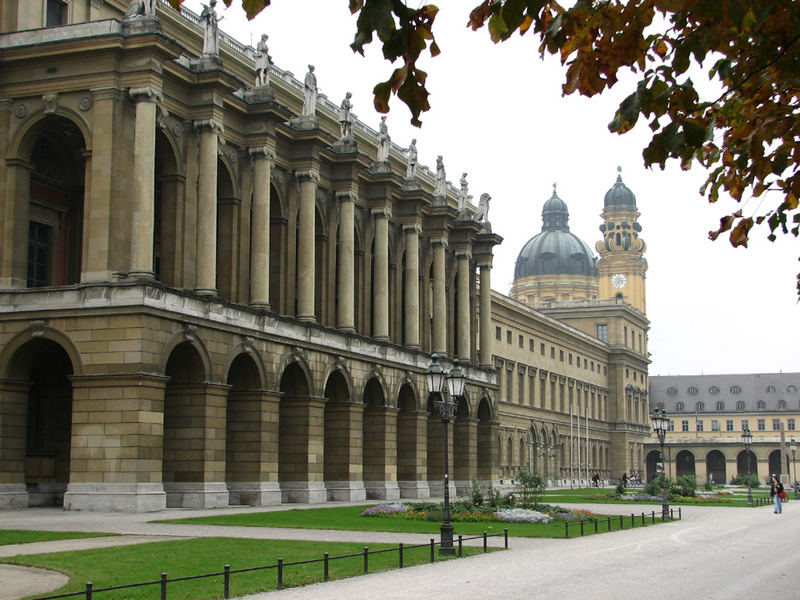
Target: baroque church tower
[(622, 266)]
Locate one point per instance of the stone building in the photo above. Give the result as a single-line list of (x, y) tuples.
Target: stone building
[(571, 356), (211, 296), (707, 415)]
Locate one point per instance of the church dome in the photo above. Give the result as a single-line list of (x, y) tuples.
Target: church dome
[(555, 250), (619, 195)]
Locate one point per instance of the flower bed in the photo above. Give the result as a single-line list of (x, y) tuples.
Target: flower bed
[(430, 511)]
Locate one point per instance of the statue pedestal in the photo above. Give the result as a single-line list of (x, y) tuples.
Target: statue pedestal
[(206, 63), (304, 122), (381, 166), (140, 24), (346, 145), (412, 184), (440, 200), (260, 94)]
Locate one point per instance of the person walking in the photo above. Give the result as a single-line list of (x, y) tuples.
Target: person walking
[(775, 491)]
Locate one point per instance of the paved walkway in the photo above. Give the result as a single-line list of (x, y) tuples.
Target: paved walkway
[(713, 553)]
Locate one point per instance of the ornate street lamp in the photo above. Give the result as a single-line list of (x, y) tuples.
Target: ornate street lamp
[(435, 378), (793, 448), (660, 427), (747, 438)]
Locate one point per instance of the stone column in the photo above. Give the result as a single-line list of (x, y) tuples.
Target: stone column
[(381, 283), (412, 452), (465, 461), (144, 172), (345, 286), (463, 348), (344, 456), (412, 286), (486, 314), (306, 268), (116, 443), (13, 430), (259, 227), (439, 298), (251, 453), (302, 449), (206, 281), (380, 453)]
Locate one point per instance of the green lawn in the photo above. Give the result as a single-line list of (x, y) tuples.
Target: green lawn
[(106, 567), (603, 496), (20, 536), (349, 518)]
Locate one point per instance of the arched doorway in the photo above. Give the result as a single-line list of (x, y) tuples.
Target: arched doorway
[(380, 448), (653, 464), (411, 438), (715, 467), (684, 464), (775, 463), (228, 219), (746, 463), (465, 463), (168, 242), (486, 453), (41, 406), (343, 448)]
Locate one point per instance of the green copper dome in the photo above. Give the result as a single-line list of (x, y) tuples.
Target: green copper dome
[(619, 195)]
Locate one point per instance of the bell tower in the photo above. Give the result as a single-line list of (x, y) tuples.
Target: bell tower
[(622, 266)]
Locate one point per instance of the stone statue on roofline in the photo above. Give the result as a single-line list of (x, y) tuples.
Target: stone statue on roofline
[(383, 141), (211, 29), (411, 168), (346, 116), (482, 214), (263, 62), (310, 93), (463, 194), (440, 183), (140, 8)]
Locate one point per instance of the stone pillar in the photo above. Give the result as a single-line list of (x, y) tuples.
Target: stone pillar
[(380, 285), (412, 454), (144, 172), (259, 227), (251, 453), (463, 348), (486, 315), (13, 437), (302, 449), (194, 445), (436, 455), (465, 461), (116, 443), (344, 471), (306, 268), (15, 215), (412, 286), (345, 286), (489, 451), (439, 298), (380, 453), (206, 281)]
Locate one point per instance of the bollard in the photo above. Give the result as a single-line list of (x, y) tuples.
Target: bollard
[(680, 516), (433, 554), (581, 528), (366, 560), (621, 523), (326, 572), (460, 548), (88, 590), (505, 535), (566, 529), (595, 525), (163, 586), (485, 545), (227, 581), (643, 523), (400, 548), (280, 573), (654, 517), (608, 525), (633, 521)]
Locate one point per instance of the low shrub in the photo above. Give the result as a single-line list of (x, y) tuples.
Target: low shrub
[(522, 515), (384, 509)]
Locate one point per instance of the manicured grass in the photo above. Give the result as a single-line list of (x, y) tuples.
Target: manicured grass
[(603, 496), (349, 518), (106, 567), (20, 536)]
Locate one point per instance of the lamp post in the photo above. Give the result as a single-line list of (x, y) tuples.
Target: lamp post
[(793, 448), (660, 426), (435, 378), (747, 438)]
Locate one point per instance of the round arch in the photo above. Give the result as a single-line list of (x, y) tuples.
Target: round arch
[(187, 335), (8, 354), (236, 353), (25, 137), (684, 464), (716, 471)]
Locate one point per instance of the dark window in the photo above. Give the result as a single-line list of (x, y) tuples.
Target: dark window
[(679, 406), (561, 355), (56, 13), (38, 254), (713, 390), (602, 332), (498, 333), (531, 346), (541, 349), (508, 337)]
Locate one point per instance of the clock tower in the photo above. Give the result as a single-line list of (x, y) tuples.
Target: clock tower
[(622, 266)]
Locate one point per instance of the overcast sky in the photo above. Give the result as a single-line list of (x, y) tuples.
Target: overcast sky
[(498, 114)]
